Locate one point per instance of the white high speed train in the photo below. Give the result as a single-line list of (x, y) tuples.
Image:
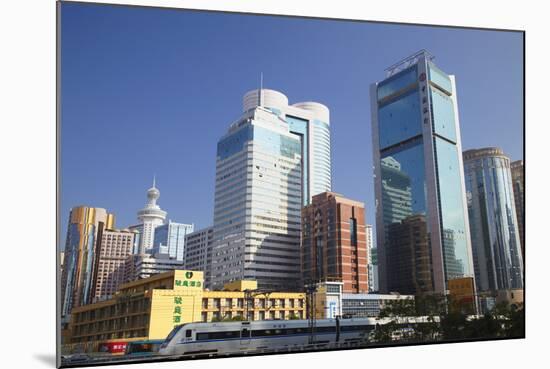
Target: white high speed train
[(235, 337)]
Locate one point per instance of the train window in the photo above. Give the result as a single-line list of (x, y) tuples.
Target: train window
[(218, 335), (173, 333), (202, 336), (188, 333)]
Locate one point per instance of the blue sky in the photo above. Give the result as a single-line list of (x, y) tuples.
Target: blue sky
[(150, 91)]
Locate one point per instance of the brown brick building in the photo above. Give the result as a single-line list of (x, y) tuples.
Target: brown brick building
[(334, 242)]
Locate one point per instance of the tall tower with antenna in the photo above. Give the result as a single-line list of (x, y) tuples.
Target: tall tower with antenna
[(150, 217)]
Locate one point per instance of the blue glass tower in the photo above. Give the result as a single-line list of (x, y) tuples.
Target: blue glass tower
[(170, 239), (421, 215), (493, 223)]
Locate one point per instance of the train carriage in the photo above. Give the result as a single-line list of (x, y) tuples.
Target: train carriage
[(225, 338)]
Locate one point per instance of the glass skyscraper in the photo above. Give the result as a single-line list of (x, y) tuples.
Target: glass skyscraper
[(270, 163), (493, 223), (81, 253), (170, 239), (421, 216), (310, 122)]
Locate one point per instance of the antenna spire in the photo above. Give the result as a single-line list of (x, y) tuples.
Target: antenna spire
[(261, 88), (154, 180)]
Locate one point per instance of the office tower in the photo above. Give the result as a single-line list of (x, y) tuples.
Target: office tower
[(198, 252), (150, 217), (310, 121), (419, 178), (80, 253), (518, 182), (493, 223), (258, 198), (113, 248), (334, 242), (170, 239)]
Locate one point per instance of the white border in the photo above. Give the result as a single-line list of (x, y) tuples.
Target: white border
[(27, 152)]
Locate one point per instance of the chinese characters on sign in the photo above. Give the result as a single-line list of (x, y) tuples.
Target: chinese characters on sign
[(187, 283), (177, 309)]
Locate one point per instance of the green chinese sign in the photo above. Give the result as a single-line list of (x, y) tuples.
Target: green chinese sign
[(188, 282), (177, 309)]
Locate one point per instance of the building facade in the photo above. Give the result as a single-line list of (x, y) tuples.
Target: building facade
[(518, 182), (419, 173), (80, 254), (362, 305), (372, 260), (152, 307), (257, 203), (150, 217), (498, 262), (310, 122), (198, 252), (114, 247), (334, 242), (141, 266), (170, 239)]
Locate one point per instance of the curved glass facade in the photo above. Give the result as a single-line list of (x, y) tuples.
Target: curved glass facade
[(493, 224), (320, 160)]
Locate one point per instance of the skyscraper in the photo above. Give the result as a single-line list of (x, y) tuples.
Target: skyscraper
[(198, 252), (518, 182), (493, 223), (334, 242), (419, 176), (80, 255), (113, 248), (258, 198), (310, 121), (170, 239), (150, 217)]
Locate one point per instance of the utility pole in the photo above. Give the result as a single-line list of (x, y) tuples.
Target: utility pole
[(310, 289)]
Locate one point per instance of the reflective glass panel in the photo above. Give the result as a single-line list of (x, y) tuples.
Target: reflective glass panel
[(406, 239), (455, 245), (440, 78), (443, 115), (400, 119), (397, 82)]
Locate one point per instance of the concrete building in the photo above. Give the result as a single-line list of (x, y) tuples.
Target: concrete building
[(150, 308), (257, 203), (198, 252), (518, 183), (114, 247), (498, 262), (170, 239), (141, 266), (80, 254), (334, 242), (150, 217), (419, 172)]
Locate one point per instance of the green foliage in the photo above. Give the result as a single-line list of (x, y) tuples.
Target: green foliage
[(449, 321)]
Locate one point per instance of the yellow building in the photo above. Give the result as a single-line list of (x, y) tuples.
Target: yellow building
[(149, 308), (462, 294)]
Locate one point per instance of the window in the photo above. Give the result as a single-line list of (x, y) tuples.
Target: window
[(353, 231)]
